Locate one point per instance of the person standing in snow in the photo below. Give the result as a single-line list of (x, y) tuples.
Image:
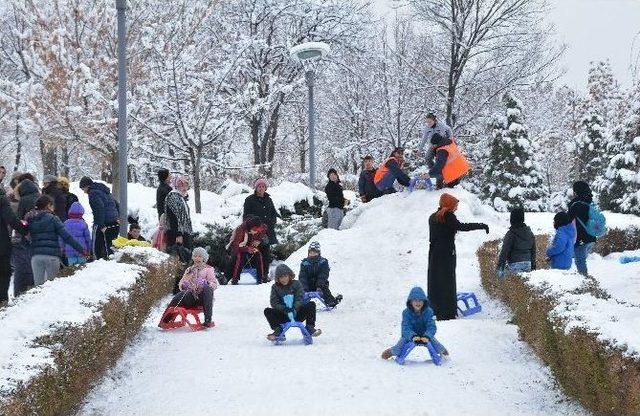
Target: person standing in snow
[(518, 253), (105, 216), (278, 314), (163, 190), (314, 275), (8, 219), (260, 205), (417, 325), (63, 181), (390, 171), (27, 193), (178, 214), (443, 226), (366, 187), (51, 187), (579, 212), (560, 252), (337, 202), (197, 286), (78, 229), (450, 165), (434, 126)]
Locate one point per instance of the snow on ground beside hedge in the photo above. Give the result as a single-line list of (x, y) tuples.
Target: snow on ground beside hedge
[(72, 300), (234, 370)]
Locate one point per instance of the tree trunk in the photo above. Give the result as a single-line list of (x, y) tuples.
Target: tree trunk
[(254, 125), (49, 159), (64, 160), (196, 161), (18, 145), (303, 159)]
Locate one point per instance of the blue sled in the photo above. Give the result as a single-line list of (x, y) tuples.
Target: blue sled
[(294, 324), (471, 304), (308, 296), (629, 259), (436, 358), (416, 180), (253, 272)]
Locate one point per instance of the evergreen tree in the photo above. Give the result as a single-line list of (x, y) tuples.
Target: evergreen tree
[(512, 175), (590, 150)]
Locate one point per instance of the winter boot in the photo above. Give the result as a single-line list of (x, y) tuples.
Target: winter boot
[(313, 331), (386, 354), (275, 334)]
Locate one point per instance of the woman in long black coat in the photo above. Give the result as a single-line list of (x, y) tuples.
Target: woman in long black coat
[(441, 284)]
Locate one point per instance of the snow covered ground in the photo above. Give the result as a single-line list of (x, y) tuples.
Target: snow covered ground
[(234, 370)]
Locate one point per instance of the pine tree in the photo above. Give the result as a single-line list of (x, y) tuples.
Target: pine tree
[(590, 150), (512, 175)]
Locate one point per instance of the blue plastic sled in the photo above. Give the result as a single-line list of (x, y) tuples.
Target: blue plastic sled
[(417, 180), (253, 272), (470, 302), (629, 259), (308, 296), (288, 300), (436, 358)]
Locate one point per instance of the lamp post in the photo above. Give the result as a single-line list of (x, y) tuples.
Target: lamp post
[(309, 54), (121, 6)]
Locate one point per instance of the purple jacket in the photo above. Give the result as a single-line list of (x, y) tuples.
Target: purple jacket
[(78, 229)]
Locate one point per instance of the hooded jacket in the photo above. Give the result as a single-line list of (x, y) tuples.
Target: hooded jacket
[(314, 272), (29, 194), (519, 245), (78, 229), (278, 292), (417, 323), (104, 206), (561, 249), (579, 208), (45, 230), (366, 186)]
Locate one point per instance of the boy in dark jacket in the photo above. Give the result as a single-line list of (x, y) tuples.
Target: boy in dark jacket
[(560, 253), (366, 187), (518, 253), (277, 314), (8, 220), (579, 212), (418, 325), (105, 216), (314, 275)]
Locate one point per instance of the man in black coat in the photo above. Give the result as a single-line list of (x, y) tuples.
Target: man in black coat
[(7, 219), (366, 187), (163, 190), (51, 187)]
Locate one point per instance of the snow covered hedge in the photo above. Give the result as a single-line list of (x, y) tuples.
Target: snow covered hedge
[(60, 338), (578, 329)]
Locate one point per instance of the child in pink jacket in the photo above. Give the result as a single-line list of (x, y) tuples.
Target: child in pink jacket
[(197, 285)]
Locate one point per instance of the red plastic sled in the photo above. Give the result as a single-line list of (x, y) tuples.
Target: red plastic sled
[(177, 317)]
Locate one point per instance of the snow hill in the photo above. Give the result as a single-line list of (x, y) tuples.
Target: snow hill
[(234, 370)]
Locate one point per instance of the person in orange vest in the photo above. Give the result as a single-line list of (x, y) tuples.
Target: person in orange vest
[(391, 170), (450, 165)]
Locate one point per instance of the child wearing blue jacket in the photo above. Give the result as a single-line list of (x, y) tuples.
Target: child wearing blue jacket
[(560, 252), (418, 324)]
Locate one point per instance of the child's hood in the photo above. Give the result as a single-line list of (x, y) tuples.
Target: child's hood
[(569, 230), (76, 209), (417, 294)]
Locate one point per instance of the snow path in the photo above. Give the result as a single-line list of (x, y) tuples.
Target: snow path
[(234, 370)]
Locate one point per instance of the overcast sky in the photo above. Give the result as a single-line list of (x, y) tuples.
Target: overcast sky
[(592, 30)]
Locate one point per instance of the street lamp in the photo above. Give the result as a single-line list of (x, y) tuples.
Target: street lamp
[(121, 6), (309, 54)]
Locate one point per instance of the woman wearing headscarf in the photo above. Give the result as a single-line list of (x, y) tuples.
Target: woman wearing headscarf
[(441, 283)]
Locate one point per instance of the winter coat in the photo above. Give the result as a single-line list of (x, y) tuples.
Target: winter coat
[(441, 276), (29, 194), (519, 244), (263, 208), (417, 323), (441, 158), (579, 208), (78, 229), (334, 194), (241, 240), (278, 292), (394, 172), (561, 250), (439, 127), (7, 219), (314, 273), (104, 206), (178, 214), (161, 196), (366, 186), (45, 230), (59, 199), (195, 279)]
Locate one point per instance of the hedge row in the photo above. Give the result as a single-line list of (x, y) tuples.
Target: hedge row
[(82, 354), (598, 375)]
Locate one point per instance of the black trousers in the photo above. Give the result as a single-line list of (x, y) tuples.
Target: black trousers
[(21, 263), (323, 287), (187, 299), (102, 241), (307, 312), (5, 276)]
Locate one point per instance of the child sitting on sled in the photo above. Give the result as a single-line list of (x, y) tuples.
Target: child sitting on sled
[(197, 286), (285, 284), (314, 275), (418, 325)]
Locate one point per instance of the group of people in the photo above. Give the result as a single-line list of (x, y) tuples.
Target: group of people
[(42, 229)]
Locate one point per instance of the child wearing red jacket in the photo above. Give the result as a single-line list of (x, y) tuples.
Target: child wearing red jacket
[(244, 246)]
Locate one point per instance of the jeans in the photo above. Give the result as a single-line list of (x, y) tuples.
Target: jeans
[(187, 299), (334, 216), (307, 312), (580, 254), (519, 267), (44, 267), (72, 261)]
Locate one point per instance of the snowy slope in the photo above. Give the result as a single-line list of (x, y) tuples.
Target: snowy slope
[(233, 370)]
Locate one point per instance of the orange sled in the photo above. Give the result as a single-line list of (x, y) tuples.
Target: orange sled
[(177, 317)]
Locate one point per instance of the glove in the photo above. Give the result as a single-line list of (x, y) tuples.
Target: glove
[(486, 228), (416, 338), (424, 340), (86, 254)]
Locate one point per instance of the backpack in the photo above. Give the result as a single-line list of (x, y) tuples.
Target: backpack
[(596, 225)]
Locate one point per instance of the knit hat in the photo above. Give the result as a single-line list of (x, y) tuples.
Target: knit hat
[(517, 216), (314, 246), (283, 270), (448, 203), (49, 178), (202, 252), (561, 219), (431, 114), (85, 181), (260, 181)]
